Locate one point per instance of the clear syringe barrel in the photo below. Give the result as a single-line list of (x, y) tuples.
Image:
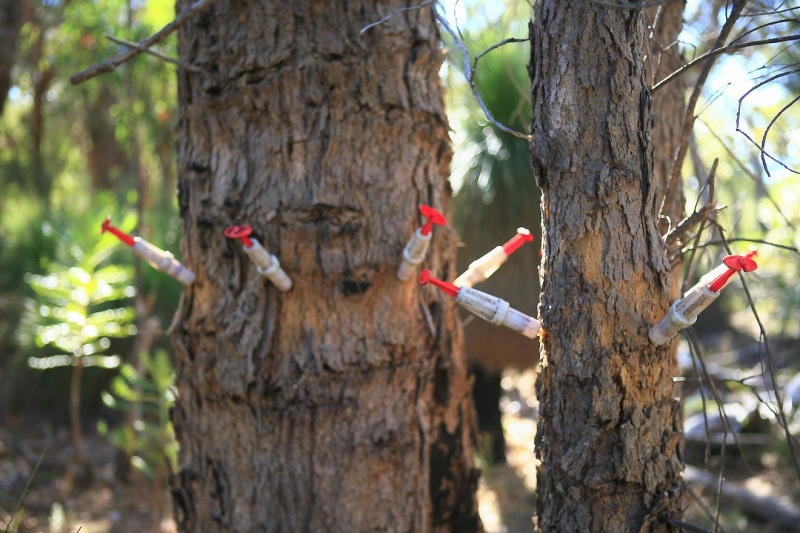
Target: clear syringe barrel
[(162, 260), (268, 265), (683, 313), (497, 311), (413, 254), (482, 268)]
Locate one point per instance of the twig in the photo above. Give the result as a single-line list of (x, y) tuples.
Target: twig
[(163, 33), (635, 5), (710, 182), (738, 118), (699, 215), (686, 526), (769, 509), (131, 44), (428, 318), (702, 390), (756, 29), (395, 12), (694, 347), (781, 413), (760, 184), (689, 117), (493, 47), (762, 148), (701, 504), (757, 241), (776, 12), (469, 75), (718, 51)]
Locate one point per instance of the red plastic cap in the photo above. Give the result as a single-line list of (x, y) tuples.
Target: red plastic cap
[(735, 263), (425, 277), (522, 236), (124, 237), (242, 233), (433, 217)]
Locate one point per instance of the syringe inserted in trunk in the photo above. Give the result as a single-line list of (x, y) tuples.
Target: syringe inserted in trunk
[(683, 313), (486, 306), (158, 258)]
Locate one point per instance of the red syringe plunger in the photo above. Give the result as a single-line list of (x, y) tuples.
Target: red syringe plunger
[(522, 236), (433, 217), (426, 277), (242, 233), (735, 263), (124, 237)]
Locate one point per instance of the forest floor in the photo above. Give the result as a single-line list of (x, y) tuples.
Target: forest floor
[(97, 505), (59, 503)]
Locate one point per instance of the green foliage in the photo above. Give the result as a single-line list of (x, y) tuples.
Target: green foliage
[(150, 440), (28, 245), (40, 227), (495, 191), (77, 306)]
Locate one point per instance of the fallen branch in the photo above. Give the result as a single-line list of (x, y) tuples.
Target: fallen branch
[(117, 60), (763, 507)]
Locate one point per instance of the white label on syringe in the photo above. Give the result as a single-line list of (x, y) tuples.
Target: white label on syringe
[(480, 303), (695, 301), (258, 254)]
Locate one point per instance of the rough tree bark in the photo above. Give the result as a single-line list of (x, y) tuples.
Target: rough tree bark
[(343, 404), (665, 23), (609, 431)]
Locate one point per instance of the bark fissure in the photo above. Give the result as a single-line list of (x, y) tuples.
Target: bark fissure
[(317, 408), (608, 459)]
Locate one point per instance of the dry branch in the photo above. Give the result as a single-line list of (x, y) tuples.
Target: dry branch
[(700, 215), (469, 75), (163, 33), (395, 12), (689, 117), (154, 53)]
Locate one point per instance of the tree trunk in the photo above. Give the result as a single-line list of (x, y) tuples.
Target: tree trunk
[(609, 432), (663, 58), (105, 154), (10, 24), (341, 405), (42, 79)]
